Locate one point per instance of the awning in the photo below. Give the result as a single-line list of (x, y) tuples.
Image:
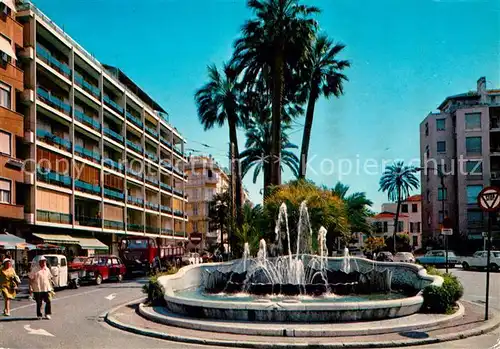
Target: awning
[(6, 47), (56, 239), (13, 242), (91, 244)]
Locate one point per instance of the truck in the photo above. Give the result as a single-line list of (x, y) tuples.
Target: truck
[(147, 255), (479, 260)]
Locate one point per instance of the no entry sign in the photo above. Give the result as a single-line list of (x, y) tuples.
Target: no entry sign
[(489, 199)]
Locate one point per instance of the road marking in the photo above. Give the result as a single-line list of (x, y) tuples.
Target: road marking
[(40, 331), (59, 298), (111, 297)]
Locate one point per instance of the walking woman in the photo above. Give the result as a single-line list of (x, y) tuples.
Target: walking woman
[(9, 282)]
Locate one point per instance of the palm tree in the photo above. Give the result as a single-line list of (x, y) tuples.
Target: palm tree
[(397, 180), (325, 77), (218, 103), (272, 45), (357, 207)]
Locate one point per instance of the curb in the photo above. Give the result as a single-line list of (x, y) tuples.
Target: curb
[(490, 325)]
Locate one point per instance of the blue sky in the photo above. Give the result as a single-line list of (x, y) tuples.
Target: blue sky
[(406, 55)]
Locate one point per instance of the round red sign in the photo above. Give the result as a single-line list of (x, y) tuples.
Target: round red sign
[(195, 238), (489, 199)]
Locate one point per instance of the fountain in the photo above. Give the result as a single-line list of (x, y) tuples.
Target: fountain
[(296, 285)]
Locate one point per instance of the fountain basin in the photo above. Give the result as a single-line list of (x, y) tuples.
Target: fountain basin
[(182, 295)]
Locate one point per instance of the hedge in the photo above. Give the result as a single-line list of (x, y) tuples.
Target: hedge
[(442, 299), (154, 290)]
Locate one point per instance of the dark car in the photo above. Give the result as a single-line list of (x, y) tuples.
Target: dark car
[(385, 257), (100, 268)]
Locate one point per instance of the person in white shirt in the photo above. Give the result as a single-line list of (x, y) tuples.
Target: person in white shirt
[(41, 284)]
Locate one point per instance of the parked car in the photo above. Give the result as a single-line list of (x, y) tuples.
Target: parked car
[(77, 263), (100, 268), (479, 260), (385, 257), (438, 258), (191, 258), (406, 257), (58, 266)]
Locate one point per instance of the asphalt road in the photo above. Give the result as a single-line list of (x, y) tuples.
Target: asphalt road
[(77, 320)]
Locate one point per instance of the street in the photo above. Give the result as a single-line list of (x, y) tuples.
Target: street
[(77, 320)]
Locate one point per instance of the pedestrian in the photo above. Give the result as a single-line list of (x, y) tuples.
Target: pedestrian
[(41, 284), (9, 282)]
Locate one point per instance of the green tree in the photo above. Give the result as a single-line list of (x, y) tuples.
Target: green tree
[(398, 180), (374, 244), (218, 103), (273, 44), (324, 74), (357, 206)]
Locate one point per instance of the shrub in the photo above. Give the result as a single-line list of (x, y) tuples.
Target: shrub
[(442, 299), (155, 290)]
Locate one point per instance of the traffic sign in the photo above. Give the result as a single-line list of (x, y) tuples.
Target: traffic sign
[(489, 199), (447, 231)]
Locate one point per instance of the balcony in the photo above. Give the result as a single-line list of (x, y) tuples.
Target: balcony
[(166, 164), (135, 227), (113, 134), (53, 62), (114, 225), (87, 120), (151, 156), (88, 221), (134, 120), (165, 142), (166, 209), (152, 206), (113, 105), (53, 101), (53, 178), (114, 165), (54, 140), (165, 186), (113, 194), (178, 192), (15, 75), (152, 180), (178, 213), (179, 233), (166, 231), (178, 152), (135, 201), (134, 146), (87, 187), (53, 217), (85, 85), (87, 154), (134, 173), (153, 230), (11, 211), (177, 171), (162, 116), (151, 132)]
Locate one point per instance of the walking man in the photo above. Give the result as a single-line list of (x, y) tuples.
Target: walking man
[(41, 284)]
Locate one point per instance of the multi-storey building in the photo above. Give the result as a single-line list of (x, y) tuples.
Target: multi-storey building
[(104, 159), (462, 142), (205, 179)]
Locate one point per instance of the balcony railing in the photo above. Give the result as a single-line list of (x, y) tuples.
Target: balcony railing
[(52, 139), (114, 165), (52, 61), (166, 231), (152, 206), (151, 156), (151, 132), (153, 230), (178, 213), (88, 221), (165, 142), (178, 192), (165, 186), (87, 120), (134, 120), (165, 209), (113, 104), (88, 154), (54, 178), (152, 180), (134, 146), (166, 164), (134, 173), (53, 101), (87, 86), (135, 227), (179, 152), (53, 217), (135, 201), (178, 172), (114, 225), (113, 135), (87, 187), (163, 116), (113, 194), (179, 233)]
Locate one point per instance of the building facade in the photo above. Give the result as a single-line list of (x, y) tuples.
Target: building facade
[(206, 178), (463, 141), (101, 158)]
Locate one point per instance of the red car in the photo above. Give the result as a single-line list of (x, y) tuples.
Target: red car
[(77, 263), (105, 267)]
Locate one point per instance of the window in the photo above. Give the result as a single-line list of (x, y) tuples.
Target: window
[(474, 167), (5, 191), (428, 196), (442, 194), (5, 99), (108, 261), (441, 147), (426, 128), (385, 227), (210, 173), (414, 208), (427, 151), (441, 216), (195, 227), (5, 143), (472, 121), (115, 261), (195, 209), (441, 124), (473, 145), (411, 226), (472, 193), (415, 241), (400, 226), (404, 208), (63, 262), (474, 217), (418, 227)]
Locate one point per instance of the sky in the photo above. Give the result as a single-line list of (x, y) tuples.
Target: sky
[(406, 57)]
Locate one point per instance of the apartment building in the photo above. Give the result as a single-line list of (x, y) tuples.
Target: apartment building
[(462, 140), (105, 161), (205, 179)]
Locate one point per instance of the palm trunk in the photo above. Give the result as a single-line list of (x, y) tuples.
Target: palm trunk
[(266, 169), (276, 117), (233, 138), (396, 220), (306, 138)]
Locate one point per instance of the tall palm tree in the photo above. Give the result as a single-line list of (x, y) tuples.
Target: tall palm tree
[(218, 103), (357, 207), (324, 72), (271, 46), (397, 180)]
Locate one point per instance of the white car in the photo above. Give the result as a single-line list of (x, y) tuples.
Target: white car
[(406, 257), (479, 260)]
